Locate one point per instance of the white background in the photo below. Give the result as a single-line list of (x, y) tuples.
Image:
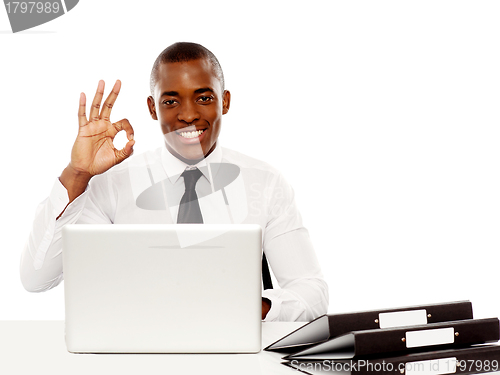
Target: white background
[(383, 115)]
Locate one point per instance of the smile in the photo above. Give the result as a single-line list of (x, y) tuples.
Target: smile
[(192, 134)]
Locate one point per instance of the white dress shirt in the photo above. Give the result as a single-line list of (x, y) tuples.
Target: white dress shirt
[(147, 188)]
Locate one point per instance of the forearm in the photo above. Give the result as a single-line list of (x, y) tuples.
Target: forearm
[(41, 260)]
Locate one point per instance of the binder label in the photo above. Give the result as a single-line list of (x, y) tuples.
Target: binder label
[(402, 318), (432, 367), (428, 337)]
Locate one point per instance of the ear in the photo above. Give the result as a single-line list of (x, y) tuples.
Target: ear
[(152, 108), (226, 101)]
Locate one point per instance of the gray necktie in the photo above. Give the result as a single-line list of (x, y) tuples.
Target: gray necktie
[(189, 208)]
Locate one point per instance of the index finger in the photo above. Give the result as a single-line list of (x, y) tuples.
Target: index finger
[(124, 124), (110, 101)]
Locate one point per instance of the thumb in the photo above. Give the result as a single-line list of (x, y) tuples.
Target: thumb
[(125, 152)]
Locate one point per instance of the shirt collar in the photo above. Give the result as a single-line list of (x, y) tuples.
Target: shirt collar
[(175, 167)]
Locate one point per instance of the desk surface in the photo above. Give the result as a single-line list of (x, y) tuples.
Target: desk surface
[(38, 347)]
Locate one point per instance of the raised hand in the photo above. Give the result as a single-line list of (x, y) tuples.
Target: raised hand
[(93, 152)]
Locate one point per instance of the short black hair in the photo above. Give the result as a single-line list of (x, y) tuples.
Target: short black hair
[(182, 52)]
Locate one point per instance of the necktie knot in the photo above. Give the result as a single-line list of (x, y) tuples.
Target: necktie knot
[(191, 177)]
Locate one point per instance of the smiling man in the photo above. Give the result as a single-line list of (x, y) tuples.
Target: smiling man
[(188, 99)]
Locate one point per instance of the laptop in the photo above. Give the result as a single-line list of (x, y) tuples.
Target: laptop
[(183, 288)]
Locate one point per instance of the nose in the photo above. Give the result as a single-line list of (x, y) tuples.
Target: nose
[(188, 112)]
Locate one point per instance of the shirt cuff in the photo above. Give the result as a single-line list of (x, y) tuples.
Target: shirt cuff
[(59, 199), (58, 196), (273, 313)]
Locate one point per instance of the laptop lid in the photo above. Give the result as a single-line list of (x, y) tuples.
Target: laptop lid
[(183, 288)]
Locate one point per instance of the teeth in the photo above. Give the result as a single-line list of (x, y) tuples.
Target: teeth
[(192, 134)]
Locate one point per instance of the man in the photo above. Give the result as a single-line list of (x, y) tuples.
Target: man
[(188, 99)]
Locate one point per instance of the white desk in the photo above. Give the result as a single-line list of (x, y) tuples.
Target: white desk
[(38, 348)]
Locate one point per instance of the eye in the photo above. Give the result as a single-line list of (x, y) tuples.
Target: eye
[(168, 102), (205, 99)]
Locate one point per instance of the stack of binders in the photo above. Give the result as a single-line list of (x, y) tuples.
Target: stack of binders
[(430, 339)]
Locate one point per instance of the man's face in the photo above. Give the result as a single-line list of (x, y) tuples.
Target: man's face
[(189, 103)]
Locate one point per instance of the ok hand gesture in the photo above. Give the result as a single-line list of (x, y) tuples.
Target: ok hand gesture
[(93, 151)]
